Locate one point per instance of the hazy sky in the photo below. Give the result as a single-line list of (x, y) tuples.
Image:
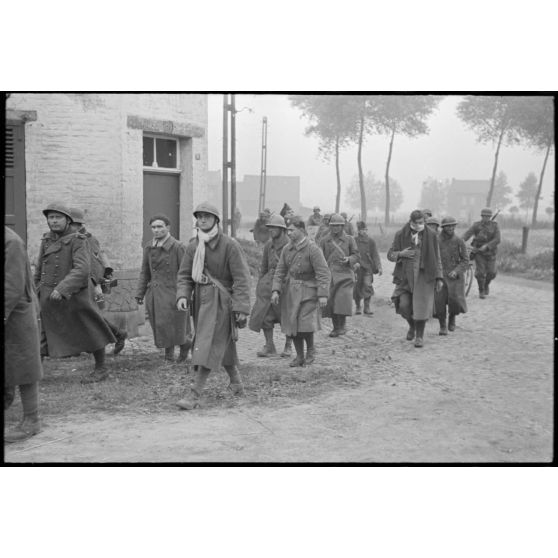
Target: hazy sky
[(449, 151)]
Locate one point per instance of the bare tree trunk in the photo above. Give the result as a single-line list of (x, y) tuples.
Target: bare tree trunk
[(493, 179), (386, 214), (360, 173), (537, 195), (338, 199)]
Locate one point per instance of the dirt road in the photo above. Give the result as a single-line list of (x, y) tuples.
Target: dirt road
[(484, 393)]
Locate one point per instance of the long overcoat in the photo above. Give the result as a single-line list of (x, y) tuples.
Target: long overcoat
[(413, 275), (157, 284), (22, 359), (453, 253), (261, 309), (213, 332), (73, 324), (301, 277), (342, 277)]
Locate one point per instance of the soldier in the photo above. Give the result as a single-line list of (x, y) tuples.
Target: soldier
[(485, 245), (101, 271), (369, 265), (417, 274), (323, 229), (433, 223), (215, 274), (427, 213), (71, 321), (301, 280), (315, 220), (260, 231), (157, 284), (22, 359), (341, 253), (455, 261), (264, 314), (348, 226)]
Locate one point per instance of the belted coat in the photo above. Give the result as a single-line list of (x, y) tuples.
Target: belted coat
[(73, 324), (22, 359), (157, 283)]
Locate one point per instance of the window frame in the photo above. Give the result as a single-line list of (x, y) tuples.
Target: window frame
[(174, 170)]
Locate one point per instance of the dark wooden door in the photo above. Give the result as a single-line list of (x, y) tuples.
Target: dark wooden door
[(14, 194), (161, 194)]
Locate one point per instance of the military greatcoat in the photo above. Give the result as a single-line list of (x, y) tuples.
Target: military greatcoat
[(158, 284), (301, 277), (342, 277), (213, 332), (485, 234), (22, 359), (73, 324), (264, 314)]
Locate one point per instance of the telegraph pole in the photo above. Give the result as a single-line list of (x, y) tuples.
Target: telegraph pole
[(261, 204), (232, 108), (225, 221)]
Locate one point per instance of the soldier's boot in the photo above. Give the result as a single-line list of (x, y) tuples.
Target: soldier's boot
[(419, 327), (184, 350), (367, 306), (443, 326), (235, 386), (30, 426), (451, 324), (487, 282), (100, 372), (342, 323), (358, 309), (335, 322), (310, 350), (120, 342), (287, 351), (169, 353), (411, 331), (480, 282), (269, 347), (192, 398), (299, 347)]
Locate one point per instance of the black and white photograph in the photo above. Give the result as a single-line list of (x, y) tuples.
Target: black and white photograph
[(251, 277)]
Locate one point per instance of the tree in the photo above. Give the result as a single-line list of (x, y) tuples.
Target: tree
[(434, 195), (502, 191), (494, 119), (527, 192), (400, 115), (536, 126), (332, 121), (375, 191)]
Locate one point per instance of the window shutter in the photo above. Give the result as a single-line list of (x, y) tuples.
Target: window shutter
[(9, 147)]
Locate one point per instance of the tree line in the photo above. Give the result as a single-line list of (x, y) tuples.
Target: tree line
[(339, 121)]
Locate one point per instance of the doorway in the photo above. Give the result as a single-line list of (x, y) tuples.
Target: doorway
[(161, 194), (14, 194)]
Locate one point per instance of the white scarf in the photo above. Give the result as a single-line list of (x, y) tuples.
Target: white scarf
[(199, 256)]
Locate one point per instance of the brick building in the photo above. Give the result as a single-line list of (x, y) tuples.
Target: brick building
[(120, 157)]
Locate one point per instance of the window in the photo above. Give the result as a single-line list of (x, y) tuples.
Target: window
[(160, 152)]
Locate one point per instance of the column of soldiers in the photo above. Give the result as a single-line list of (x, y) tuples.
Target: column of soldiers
[(208, 279)]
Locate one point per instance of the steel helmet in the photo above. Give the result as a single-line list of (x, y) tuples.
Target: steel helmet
[(433, 221), (276, 221), (426, 212), (336, 219), (486, 211), (78, 215), (447, 221), (206, 207), (60, 208)]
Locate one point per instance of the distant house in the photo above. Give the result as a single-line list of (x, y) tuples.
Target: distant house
[(466, 198)]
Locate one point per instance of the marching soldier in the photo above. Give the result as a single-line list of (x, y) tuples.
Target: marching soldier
[(433, 223), (323, 230), (22, 360), (455, 261), (214, 278), (341, 253), (264, 314), (71, 321), (157, 284), (101, 271), (485, 245), (369, 265), (348, 226), (301, 280), (417, 274), (260, 231), (315, 220)]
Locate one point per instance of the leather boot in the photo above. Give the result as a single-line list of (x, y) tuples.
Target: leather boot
[(443, 328), (287, 351), (120, 341), (342, 320), (367, 306), (269, 347), (480, 282), (169, 353), (451, 324), (27, 428), (486, 283), (184, 350), (358, 310), (191, 400), (99, 373), (419, 327), (335, 322), (299, 347), (235, 385), (411, 331)]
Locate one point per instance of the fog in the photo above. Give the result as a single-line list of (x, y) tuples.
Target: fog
[(449, 151)]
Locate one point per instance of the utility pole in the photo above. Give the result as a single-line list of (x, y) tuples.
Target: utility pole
[(232, 108), (225, 221), (261, 204)]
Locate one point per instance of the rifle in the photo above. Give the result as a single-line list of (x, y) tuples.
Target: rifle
[(495, 215)]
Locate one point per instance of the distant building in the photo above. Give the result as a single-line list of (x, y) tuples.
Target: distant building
[(466, 198)]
